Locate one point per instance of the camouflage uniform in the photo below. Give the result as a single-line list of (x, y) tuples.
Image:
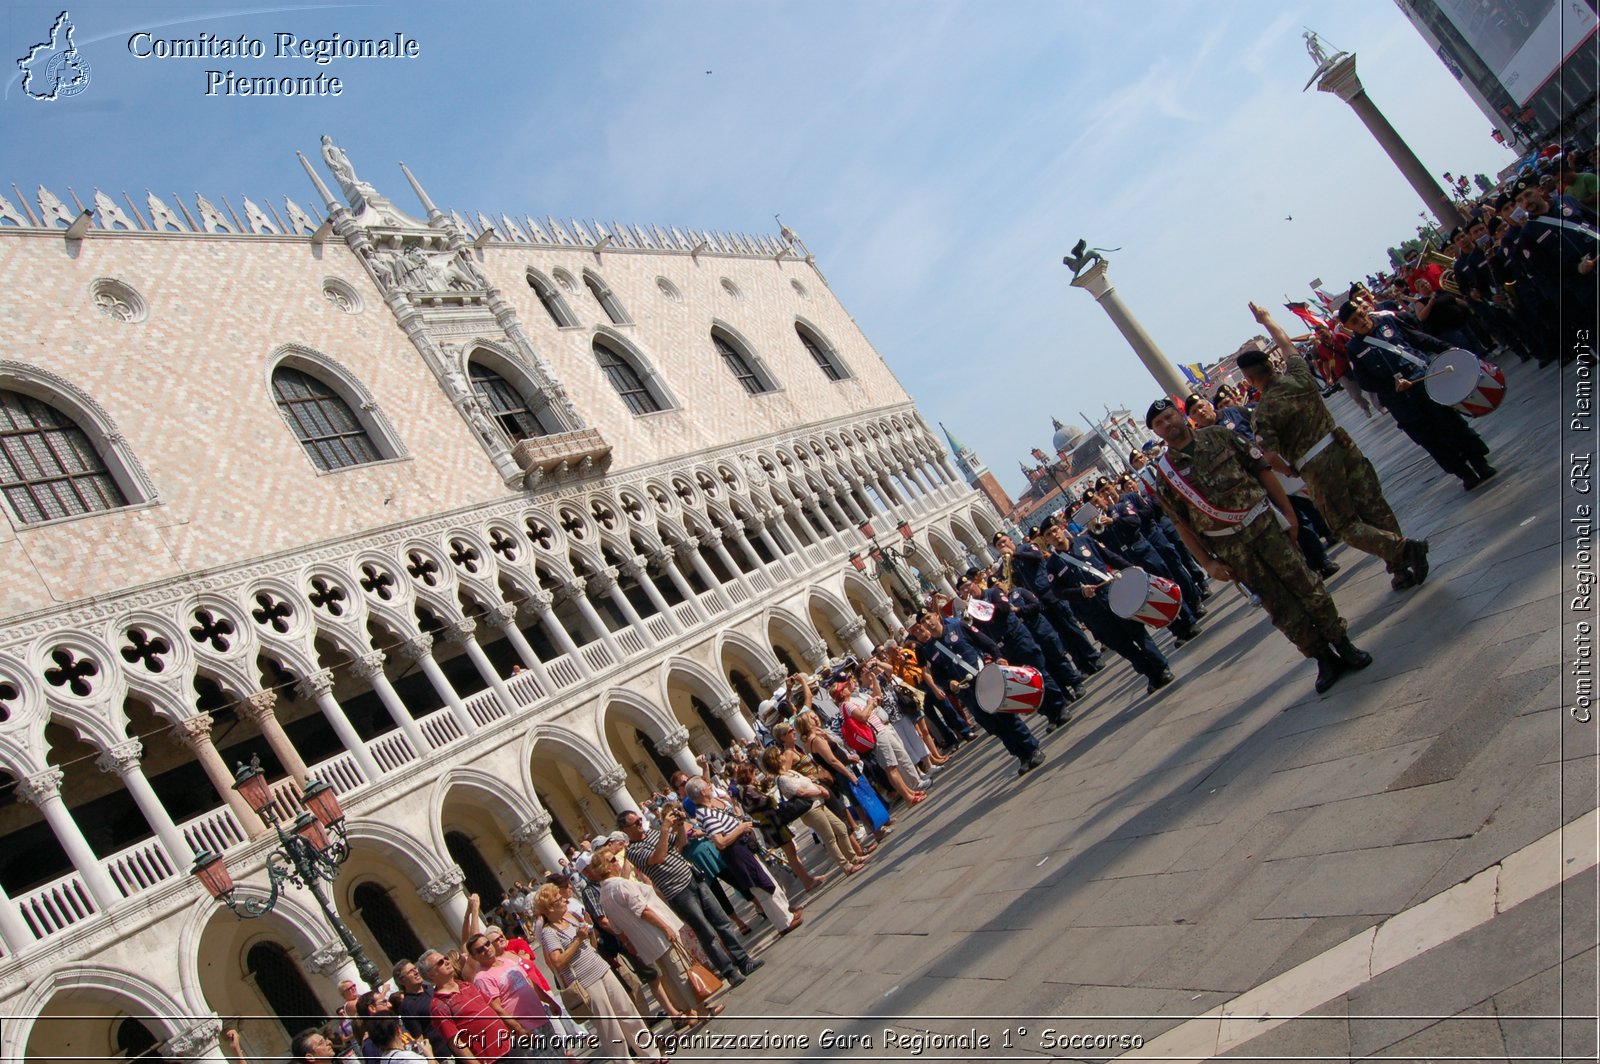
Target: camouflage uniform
[(1291, 419), (1224, 469)]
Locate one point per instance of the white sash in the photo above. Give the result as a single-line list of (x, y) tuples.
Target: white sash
[(953, 656), (1402, 352), (1184, 488), (1562, 223)]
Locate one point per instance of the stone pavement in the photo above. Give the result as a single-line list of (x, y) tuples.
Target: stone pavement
[(1177, 851)]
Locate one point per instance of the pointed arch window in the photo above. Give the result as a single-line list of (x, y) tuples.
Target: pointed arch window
[(333, 436), (50, 467), (508, 407), (628, 381), (551, 300), (822, 354), (606, 298), (745, 369)]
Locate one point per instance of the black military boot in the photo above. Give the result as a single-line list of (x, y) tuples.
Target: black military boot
[(1351, 656), (1415, 556), (1329, 669)]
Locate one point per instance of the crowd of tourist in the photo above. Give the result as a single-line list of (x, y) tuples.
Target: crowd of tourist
[(640, 928)]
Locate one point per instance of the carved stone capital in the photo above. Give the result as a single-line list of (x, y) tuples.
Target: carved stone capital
[(501, 615), (258, 707), (609, 782), (883, 610), (711, 537), (541, 601), (459, 631), (327, 960), (686, 548), (196, 1042), (852, 628), (442, 885), (569, 588), (533, 829), (368, 665), (603, 581), (418, 646), (194, 732), (632, 566), (315, 684), (815, 653), (661, 557), (675, 740), (122, 758), (727, 707), (42, 786), (773, 677)]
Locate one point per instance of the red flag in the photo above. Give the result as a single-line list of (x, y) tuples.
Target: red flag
[(1305, 314)]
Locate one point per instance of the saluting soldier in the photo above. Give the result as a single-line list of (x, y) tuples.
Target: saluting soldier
[(1217, 487), (1292, 419)]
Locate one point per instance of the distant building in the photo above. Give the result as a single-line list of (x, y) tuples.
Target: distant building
[(976, 473), (1531, 66)]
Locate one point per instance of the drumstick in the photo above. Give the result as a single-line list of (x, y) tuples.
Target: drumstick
[(1430, 376)]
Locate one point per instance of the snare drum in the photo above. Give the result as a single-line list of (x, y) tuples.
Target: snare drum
[(1144, 597), (1463, 380), (1008, 689)]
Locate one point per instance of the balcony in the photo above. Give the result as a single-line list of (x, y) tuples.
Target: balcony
[(565, 454)]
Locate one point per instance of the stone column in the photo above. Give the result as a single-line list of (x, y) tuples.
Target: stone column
[(702, 570), (1340, 79), (675, 744), (773, 678), (727, 710), (612, 785), (886, 614), (576, 590), (737, 533), (122, 760), (369, 667), (666, 558), (332, 962), (606, 581), (464, 631), (444, 893), (504, 617), (636, 568), (543, 605), (318, 688), (712, 538), (258, 710), (13, 931), (854, 633), (43, 789), (420, 648), (816, 654), (198, 1042), (195, 733), (534, 835)]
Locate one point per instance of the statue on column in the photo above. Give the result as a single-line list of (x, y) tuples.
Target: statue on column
[(369, 206)]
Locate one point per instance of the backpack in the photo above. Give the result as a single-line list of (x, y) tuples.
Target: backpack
[(858, 736)]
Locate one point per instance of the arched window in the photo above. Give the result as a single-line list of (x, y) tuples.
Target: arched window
[(744, 368), (280, 981), (479, 877), (384, 919), (607, 299), (323, 422), (822, 355), (506, 404), (626, 379), (553, 304), (49, 467)]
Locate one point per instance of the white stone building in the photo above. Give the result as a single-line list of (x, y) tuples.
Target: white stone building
[(489, 530)]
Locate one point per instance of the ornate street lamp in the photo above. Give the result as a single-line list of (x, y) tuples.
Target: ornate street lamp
[(889, 558), (309, 854)]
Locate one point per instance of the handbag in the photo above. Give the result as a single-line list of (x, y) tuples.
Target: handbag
[(575, 999), (858, 735), (702, 980), (870, 804), (792, 809)]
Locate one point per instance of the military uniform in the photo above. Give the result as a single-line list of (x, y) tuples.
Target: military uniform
[(1223, 469), (951, 660), (1122, 636), (1293, 420)]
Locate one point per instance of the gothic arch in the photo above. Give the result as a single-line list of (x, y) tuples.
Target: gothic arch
[(504, 801), (345, 384), (638, 710), (144, 998)]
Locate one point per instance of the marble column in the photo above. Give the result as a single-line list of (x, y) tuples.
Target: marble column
[(675, 744), (636, 568), (713, 537), (885, 612), (612, 785), (737, 533), (815, 653), (773, 678), (464, 631), (369, 667), (729, 712), (444, 893), (535, 836), (420, 648), (195, 733), (122, 760), (854, 633), (666, 558), (318, 687), (702, 570), (576, 590), (543, 605), (43, 789), (258, 710), (504, 617), (332, 962), (13, 931), (606, 581)]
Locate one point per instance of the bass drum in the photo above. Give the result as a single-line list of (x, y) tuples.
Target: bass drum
[(1008, 689)]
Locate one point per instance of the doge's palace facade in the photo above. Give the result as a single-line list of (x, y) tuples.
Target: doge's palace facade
[(488, 524)]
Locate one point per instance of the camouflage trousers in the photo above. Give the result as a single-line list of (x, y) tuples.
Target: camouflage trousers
[(1266, 561), (1345, 487)]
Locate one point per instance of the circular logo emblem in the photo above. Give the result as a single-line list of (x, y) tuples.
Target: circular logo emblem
[(67, 73)]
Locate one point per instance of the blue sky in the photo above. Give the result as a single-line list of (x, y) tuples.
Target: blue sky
[(939, 158)]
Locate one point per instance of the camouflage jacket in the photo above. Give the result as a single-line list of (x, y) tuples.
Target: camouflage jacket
[(1291, 415), (1223, 468)]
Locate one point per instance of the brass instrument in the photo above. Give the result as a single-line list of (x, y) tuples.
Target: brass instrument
[(1447, 280), (1003, 581)]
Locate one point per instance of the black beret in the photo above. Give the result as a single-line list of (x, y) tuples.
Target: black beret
[(1347, 310), (1157, 407), (1252, 359)]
